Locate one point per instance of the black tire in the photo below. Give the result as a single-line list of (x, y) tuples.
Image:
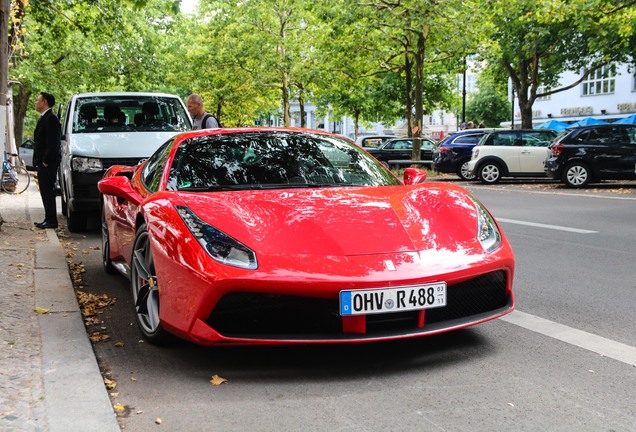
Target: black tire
[(23, 180), (576, 175), (64, 205), (106, 261), (62, 193), (76, 220), (145, 290), (463, 173), (490, 173)]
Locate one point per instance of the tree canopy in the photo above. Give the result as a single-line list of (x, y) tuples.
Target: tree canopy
[(372, 61)]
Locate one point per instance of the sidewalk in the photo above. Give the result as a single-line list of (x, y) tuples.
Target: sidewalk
[(49, 377)]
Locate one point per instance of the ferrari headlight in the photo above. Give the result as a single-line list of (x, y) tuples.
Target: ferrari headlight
[(87, 165), (487, 232), (220, 246)]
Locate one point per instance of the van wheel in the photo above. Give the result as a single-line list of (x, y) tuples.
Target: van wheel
[(76, 221), (490, 173), (64, 205), (576, 175)]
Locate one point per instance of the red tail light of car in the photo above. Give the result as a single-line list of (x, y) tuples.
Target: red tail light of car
[(444, 149), (557, 149)]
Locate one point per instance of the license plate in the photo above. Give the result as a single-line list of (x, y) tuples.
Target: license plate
[(362, 302)]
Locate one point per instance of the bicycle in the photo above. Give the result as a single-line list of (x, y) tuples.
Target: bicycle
[(15, 178)]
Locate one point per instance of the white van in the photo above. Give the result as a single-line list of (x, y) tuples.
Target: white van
[(105, 129)]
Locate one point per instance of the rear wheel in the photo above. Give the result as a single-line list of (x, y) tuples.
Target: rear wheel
[(576, 175), (145, 290), (464, 173), (490, 173)]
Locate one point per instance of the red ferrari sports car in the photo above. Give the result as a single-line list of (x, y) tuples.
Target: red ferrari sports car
[(272, 236)]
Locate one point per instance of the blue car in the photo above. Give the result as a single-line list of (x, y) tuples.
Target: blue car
[(454, 152)]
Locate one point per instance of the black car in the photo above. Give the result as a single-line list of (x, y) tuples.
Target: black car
[(589, 154), (402, 149), (454, 151)]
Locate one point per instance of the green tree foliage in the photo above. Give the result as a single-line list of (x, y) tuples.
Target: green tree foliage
[(74, 46), (490, 103), (535, 41)]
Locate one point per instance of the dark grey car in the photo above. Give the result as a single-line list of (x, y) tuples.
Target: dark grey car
[(589, 154)]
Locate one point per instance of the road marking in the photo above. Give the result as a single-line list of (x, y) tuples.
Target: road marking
[(554, 227), (591, 342)]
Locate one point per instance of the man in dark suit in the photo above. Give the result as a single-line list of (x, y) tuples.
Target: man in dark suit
[(47, 155)]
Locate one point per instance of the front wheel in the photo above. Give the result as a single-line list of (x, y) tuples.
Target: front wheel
[(17, 181), (490, 173), (106, 261), (576, 175), (145, 290)]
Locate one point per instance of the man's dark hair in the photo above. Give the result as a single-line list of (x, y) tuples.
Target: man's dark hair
[(49, 98)]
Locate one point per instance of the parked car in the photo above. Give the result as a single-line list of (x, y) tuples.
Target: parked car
[(510, 153), (454, 151), (105, 129), (373, 140), (270, 236), (26, 153), (402, 149), (588, 154)]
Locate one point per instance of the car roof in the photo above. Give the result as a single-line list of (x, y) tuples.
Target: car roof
[(101, 94)]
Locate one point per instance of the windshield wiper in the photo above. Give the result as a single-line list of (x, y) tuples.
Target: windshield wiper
[(213, 188)]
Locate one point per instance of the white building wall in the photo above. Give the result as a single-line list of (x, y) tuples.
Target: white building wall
[(571, 105)]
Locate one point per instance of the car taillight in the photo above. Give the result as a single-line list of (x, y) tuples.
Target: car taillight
[(557, 149), (443, 149)]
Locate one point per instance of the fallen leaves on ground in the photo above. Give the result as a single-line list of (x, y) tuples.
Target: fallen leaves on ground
[(42, 311), (110, 384), (217, 380), (96, 337), (91, 305)]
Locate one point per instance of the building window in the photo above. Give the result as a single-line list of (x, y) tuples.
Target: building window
[(540, 90), (601, 81)]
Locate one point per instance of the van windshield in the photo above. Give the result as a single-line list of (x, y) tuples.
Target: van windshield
[(129, 113)]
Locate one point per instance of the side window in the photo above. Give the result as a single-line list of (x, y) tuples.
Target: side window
[(151, 175), (631, 134), (504, 139), (390, 146), (468, 139), (537, 139), (605, 136)]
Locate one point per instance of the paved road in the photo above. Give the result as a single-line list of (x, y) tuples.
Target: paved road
[(566, 361)]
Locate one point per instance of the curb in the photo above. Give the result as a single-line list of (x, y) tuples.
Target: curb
[(75, 395)]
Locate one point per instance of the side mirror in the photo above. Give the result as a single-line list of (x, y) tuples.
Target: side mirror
[(120, 187), (413, 176)]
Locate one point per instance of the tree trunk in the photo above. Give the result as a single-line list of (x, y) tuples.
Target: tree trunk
[(301, 104), (356, 120), (285, 91), (20, 108), (420, 55), (408, 65)]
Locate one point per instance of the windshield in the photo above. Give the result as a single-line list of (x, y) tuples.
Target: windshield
[(263, 160), (129, 113)]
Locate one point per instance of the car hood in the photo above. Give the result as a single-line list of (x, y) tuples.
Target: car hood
[(343, 221), (117, 144)]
